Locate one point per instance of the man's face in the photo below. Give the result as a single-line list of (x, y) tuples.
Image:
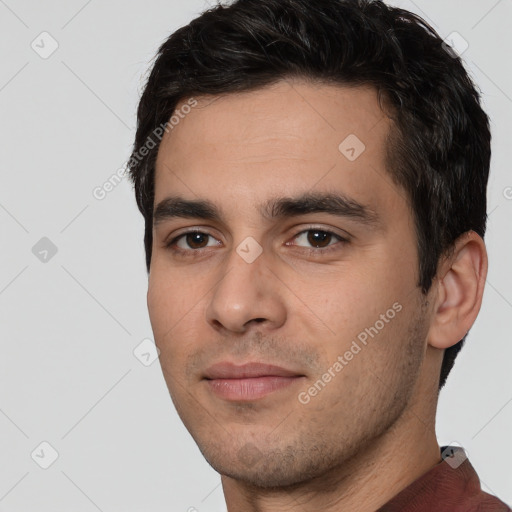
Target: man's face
[(343, 317)]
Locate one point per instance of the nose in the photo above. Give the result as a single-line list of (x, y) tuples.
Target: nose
[(246, 294)]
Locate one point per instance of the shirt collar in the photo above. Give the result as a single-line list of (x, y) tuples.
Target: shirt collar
[(452, 485)]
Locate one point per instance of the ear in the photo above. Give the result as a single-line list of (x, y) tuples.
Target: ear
[(460, 285)]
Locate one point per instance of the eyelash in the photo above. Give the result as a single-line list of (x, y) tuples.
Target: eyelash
[(309, 251)]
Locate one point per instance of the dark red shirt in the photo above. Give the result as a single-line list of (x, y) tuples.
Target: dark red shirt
[(450, 486)]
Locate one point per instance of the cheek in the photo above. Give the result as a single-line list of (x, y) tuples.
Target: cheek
[(365, 306), (160, 301), (353, 298), (169, 297), (372, 363), (169, 308), (177, 315)]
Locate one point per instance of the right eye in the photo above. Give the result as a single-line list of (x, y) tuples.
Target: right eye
[(190, 240)]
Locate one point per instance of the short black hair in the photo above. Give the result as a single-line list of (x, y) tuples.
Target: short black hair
[(439, 145)]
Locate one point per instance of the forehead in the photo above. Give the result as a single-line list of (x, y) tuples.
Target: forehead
[(290, 137)]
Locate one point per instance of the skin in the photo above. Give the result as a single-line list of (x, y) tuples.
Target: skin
[(370, 431)]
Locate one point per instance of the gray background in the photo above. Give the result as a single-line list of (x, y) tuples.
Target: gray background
[(69, 324)]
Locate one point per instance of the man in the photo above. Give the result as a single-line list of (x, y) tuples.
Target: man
[(313, 181)]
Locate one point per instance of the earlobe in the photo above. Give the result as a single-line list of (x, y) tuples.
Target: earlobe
[(460, 285)]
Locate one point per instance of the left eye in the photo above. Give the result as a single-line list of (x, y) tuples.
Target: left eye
[(318, 238)]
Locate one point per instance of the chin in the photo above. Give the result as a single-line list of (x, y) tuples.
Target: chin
[(277, 469)]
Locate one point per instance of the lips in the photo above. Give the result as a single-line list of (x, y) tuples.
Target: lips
[(248, 382), (225, 370)]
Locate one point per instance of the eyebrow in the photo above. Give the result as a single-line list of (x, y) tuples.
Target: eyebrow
[(339, 205)]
